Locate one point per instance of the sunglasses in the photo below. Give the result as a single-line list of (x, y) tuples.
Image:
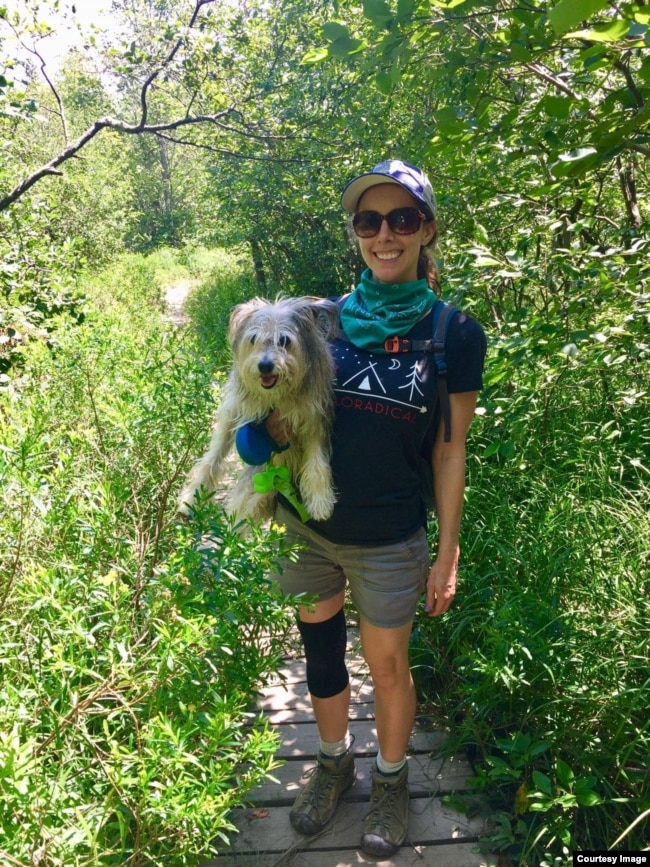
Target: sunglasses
[(402, 221)]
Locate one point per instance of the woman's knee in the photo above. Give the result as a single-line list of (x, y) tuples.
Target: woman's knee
[(325, 645), (386, 652), (389, 672)]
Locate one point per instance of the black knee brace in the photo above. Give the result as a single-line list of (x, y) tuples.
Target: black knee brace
[(325, 654)]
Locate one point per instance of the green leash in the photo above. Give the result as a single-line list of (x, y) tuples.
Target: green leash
[(278, 479)]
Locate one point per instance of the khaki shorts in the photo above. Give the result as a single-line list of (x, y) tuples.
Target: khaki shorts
[(385, 581)]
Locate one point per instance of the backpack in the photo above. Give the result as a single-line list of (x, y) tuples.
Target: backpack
[(443, 313)]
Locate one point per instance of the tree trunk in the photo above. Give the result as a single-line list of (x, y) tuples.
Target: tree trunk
[(260, 274), (168, 203), (628, 188)]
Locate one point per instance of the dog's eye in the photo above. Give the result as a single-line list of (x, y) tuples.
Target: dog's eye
[(252, 338), (284, 340)]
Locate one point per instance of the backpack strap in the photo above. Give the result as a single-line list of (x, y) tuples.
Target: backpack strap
[(443, 313), (442, 316)]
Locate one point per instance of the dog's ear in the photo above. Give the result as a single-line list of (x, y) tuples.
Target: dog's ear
[(326, 314), (240, 314)]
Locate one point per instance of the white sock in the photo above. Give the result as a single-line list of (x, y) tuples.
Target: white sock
[(385, 767), (336, 748)]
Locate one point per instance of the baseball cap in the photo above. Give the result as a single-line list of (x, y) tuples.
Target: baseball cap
[(407, 176)]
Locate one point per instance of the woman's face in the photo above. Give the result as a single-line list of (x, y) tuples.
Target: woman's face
[(392, 258)]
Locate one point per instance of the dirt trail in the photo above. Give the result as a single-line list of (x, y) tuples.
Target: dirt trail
[(175, 296)]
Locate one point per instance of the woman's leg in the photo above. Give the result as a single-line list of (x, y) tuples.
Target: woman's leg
[(323, 634), (331, 713), (386, 652)]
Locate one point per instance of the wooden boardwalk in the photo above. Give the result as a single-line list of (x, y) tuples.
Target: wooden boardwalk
[(437, 834)]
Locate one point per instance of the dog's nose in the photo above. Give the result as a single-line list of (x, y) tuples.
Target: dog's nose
[(265, 367)]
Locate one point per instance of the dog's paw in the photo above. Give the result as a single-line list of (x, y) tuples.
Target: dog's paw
[(184, 508), (319, 505), (188, 500)]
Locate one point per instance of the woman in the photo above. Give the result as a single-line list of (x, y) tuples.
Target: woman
[(386, 410)]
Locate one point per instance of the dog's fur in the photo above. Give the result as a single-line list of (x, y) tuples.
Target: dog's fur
[(281, 361)]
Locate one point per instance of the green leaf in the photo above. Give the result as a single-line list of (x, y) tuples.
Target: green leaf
[(377, 11), (332, 31), (543, 782), (588, 799), (346, 45), (564, 774), (602, 33), (568, 13), (575, 163), (557, 106), (384, 81), (405, 9), (520, 53), (315, 55)]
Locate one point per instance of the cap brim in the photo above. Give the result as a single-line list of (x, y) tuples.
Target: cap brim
[(358, 186)]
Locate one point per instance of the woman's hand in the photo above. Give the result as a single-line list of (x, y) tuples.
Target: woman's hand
[(277, 428), (441, 586)]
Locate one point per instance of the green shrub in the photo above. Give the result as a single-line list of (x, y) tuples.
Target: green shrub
[(126, 701), (131, 287), (210, 303), (541, 664), (132, 644), (540, 667)]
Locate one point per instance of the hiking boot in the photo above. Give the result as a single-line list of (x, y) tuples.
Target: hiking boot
[(316, 803), (384, 828)]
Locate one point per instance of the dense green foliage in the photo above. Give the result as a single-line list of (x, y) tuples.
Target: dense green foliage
[(131, 643), (542, 663), (203, 125)]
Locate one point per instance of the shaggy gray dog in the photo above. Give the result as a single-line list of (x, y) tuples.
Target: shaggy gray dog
[(281, 361)]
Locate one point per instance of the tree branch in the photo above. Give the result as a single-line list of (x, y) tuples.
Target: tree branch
[(99, 125), (141, 127), (544, 73), (31, 49), (165, 63)]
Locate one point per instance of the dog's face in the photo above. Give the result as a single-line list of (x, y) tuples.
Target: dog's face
[(273, 343)]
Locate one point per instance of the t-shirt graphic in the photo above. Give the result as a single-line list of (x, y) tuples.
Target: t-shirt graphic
[(386, 408)]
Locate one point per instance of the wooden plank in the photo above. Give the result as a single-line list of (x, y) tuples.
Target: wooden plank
[(460, 854), (426, 777), (301, 739), (294, 670), (304, 713), (437, 834), (270, 830), (294, 694)]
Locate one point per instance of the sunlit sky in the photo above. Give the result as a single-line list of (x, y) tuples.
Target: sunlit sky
[(87, 13)]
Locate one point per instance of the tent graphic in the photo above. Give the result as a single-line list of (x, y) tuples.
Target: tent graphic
[(362, 379)]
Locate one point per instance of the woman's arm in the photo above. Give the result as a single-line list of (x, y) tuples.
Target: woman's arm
[(448, 461)]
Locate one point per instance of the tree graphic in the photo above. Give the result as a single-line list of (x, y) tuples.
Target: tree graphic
[(413, 380)]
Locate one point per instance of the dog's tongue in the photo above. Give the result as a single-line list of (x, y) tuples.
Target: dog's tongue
[(268, 381)]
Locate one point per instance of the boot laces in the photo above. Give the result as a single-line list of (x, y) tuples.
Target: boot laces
[(384, 809)]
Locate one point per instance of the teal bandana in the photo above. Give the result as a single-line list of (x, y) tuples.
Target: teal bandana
[(375, 311)]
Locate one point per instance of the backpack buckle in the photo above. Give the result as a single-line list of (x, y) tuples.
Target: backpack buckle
[(396, 344)]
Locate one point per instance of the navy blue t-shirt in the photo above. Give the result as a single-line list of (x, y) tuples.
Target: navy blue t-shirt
[(385, 406)]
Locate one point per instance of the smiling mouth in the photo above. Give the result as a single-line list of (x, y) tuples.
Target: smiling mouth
[(268, 381), (388, 257)]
